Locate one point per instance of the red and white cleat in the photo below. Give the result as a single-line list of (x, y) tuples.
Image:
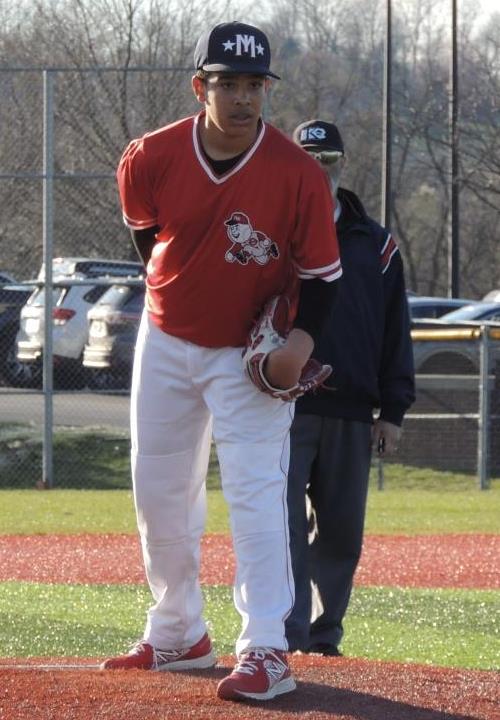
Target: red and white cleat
[(260, 674), (144, 656)]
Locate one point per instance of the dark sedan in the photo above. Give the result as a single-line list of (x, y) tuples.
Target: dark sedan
[(12, 299)]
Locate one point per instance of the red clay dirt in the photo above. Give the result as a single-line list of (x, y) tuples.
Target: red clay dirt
[(328, 688), (445, 561)]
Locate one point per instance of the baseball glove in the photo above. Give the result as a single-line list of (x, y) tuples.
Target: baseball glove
[(269, 333)]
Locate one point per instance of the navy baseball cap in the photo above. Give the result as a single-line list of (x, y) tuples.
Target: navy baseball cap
[(318, 135), (235, 48)]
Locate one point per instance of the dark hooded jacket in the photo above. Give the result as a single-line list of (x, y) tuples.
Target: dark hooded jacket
[(367, 339)]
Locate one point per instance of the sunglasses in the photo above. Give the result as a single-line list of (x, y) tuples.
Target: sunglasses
[(327, 157)]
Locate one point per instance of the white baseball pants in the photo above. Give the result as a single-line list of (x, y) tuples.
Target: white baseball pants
[(181, 392)]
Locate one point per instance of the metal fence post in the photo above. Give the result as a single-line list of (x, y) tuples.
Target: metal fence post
[(483, 440), (48, 236)]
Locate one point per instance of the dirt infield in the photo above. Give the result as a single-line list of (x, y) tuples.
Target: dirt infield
[(458, 561), (327, 689)]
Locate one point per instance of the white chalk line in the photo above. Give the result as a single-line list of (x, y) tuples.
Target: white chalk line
[(35, 666)]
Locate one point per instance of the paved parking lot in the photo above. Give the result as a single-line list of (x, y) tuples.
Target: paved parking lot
[(77, 409)]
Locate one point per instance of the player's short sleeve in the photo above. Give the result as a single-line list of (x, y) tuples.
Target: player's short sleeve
[(315, 250), (135, 188)]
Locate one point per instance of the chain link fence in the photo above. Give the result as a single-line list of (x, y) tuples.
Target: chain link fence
[(68, 326), (453, 427), (63, 132)]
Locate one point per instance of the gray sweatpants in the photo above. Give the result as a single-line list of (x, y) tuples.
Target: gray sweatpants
[(329, 465)]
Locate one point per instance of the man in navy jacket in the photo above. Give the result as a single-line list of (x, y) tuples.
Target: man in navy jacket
[(368, 344)]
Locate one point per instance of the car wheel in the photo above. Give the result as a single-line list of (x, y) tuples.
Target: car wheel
[(103, 379), (21, 374), (70, 377), (447, 363)]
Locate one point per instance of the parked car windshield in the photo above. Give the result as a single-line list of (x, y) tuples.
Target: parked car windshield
[(14, 293), (434, 307), (38, 297), (6, 279)]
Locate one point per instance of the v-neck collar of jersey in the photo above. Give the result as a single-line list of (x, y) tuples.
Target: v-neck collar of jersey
[(219, 179)]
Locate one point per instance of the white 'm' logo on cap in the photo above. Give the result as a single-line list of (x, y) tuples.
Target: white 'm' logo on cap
[(244, 44), (313, 133)]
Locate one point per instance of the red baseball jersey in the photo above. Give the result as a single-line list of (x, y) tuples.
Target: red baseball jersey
[(226, 243)]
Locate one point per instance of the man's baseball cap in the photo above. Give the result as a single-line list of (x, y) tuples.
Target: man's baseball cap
[(235, 48), (318, 135)]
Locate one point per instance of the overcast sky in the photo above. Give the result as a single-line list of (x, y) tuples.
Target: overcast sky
[(489, 5)]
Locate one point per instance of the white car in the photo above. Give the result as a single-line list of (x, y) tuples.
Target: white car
[(478, 312), (492, 296), (74, 293)]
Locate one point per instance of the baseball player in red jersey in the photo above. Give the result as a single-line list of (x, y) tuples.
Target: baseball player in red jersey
[(225, 211)]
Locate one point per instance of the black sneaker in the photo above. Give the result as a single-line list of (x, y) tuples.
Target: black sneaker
[(325, 649)]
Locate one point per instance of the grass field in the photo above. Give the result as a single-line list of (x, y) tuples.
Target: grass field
[(438, 503), (441, 627)]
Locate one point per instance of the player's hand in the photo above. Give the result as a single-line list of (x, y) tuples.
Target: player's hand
[(284, 365), (385, 437), (278, 361)]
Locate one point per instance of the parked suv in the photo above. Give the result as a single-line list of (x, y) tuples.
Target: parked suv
[(12, 299), (113, 325), (71, 302)]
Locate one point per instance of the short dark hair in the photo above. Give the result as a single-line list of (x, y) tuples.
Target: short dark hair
[(202, 75)]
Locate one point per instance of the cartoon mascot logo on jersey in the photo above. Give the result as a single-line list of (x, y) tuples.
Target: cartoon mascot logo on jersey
[(248, 244)]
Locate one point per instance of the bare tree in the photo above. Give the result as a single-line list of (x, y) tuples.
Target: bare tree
[(101, 101), (330, 56)]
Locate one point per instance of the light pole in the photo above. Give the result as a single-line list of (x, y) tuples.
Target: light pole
[(453, 225), (385, 203)]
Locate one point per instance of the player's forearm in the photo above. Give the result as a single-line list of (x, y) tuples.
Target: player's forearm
[(284, 366), (299, 346), (316, 300)]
